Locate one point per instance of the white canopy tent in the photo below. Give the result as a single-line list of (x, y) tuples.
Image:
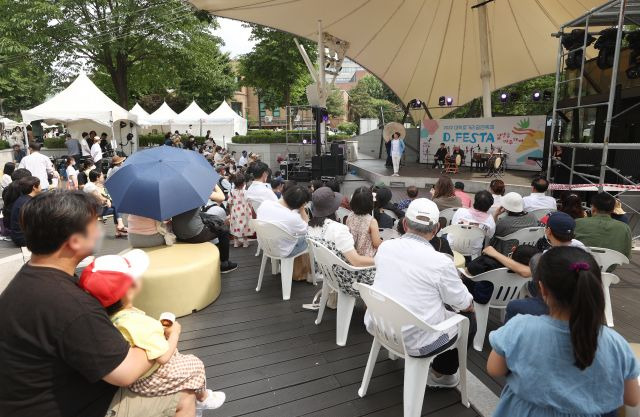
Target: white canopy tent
[(424, 49), (161, 118), (225, 112), (141, 113), (200, 122), (83, 107), (8, 123)]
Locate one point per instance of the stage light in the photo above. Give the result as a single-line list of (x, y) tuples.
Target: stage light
[(514, 96), (415, 104), (573, 43), (442, 101), (536, 96), (606, 44), (547, 95), (504, 97), (449, 101), (633, 40)]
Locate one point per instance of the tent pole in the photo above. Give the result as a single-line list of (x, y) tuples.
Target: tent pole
[(485, 65)]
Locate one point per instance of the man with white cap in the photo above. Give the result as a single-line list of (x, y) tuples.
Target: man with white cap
[(410, 271), (516, 218)]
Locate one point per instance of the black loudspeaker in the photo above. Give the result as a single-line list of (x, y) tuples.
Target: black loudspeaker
[(316, 167), (339, 148)]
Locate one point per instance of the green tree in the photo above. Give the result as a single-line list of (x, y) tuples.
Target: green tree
[(366, 100), (335, 103), (275, 68)]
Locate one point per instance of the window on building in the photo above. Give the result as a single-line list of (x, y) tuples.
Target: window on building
[(276, 112), (263, 109), (237, 107)]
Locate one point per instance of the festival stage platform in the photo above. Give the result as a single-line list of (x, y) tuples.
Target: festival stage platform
[(423, 176)]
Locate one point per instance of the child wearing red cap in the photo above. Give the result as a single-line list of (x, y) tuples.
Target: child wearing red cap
[(115, 281)]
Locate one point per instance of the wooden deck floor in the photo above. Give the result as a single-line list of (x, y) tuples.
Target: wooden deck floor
[(272, 360)]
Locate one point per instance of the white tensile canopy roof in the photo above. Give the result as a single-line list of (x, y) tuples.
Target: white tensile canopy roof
[(141, 113), (81, 100), (225, 112), (425, 49), (162, 116)]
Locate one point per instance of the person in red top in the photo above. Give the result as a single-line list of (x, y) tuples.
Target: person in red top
[(459, 192)]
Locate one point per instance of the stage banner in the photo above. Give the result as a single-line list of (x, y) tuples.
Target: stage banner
[(520, 137)]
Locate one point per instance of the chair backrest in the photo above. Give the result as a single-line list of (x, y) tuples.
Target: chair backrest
[(390, 213), (388, 318), (325, 260), (608, 257), (526, 236), (608, 278), (506, 285), (540, 213), (463, 237), (448, 214), (269, 236), (9, 267), (388, 234), (342, 214)]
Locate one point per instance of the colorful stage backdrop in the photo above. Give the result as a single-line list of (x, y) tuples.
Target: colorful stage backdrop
[(519, 136)]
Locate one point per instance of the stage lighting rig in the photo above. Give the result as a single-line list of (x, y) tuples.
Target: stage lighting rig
[(606, 44), (633, 40), (547, 95), (415, 104), (504, 97), (536, 96), (573, 43), (442, 101), (449, 101)]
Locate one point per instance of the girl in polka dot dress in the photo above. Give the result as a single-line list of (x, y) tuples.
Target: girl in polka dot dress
[(241, 213)]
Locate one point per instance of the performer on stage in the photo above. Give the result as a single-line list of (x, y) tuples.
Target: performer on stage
[(458, 151), (397, 149), (440, 155), (387, 146)]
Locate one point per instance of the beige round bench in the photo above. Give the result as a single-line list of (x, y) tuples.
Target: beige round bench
[(181, 279)]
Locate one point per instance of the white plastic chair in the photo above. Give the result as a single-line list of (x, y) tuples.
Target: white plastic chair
[(507, 286), (526, 236), (540, 213), (388, 319), (9, 267), (326, 259), (448, 214), (463, 238), (388, 234), (608, 279), (269, 235), (342, 214), (606, 258)]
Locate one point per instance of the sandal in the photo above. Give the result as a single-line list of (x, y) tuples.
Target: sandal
[(315, 303)]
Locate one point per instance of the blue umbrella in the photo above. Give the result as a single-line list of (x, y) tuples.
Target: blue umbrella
[(161, 182)]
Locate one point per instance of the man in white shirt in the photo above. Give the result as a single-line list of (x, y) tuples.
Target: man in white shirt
[(288, 214), (96, 152), (428, 281), (478, 216), (243, 159), (39, 165), (260, 190), (538, 200), (84, 145)]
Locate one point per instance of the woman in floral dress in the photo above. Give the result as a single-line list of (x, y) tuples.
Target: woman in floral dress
[(240, 212)]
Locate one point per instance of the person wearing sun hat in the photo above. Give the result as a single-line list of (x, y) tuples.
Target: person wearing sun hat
[(115, 281), (515, 219), (116, 164), (424, 281)]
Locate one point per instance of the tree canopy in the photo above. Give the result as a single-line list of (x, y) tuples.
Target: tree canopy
[(369, 97)]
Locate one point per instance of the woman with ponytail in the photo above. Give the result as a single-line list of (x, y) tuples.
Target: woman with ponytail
[(566, 363)]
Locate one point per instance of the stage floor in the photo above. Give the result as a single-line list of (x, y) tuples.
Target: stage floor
[(422, 175)]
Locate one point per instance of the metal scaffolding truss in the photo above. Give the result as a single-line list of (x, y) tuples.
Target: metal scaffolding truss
[(616, 14)]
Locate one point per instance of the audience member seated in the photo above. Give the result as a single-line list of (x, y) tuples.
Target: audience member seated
[(276, 186), (476, 216), (459, 192), (10, 194), (29, 188), (619, 214), (260, 190), (482, 290), (361, 223), (324, 228), (95, 187), (444, 195), (516, 218), (335, 187), (567, 363), (288, 214), (497, 189), (189, 227), (429, 284), (172, 372), (559, 232), (8, 169), (84, 370), (412, 194), (537, 200), (572, 205), (144, 232), (382, 202), (601, 229)]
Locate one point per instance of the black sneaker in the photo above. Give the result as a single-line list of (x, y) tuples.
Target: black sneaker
[(228, 266)]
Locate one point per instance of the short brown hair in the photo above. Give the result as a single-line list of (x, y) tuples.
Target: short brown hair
[(497, 187), (412, 191)]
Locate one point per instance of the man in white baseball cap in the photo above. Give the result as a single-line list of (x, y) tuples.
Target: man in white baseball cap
[(414, 274)]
